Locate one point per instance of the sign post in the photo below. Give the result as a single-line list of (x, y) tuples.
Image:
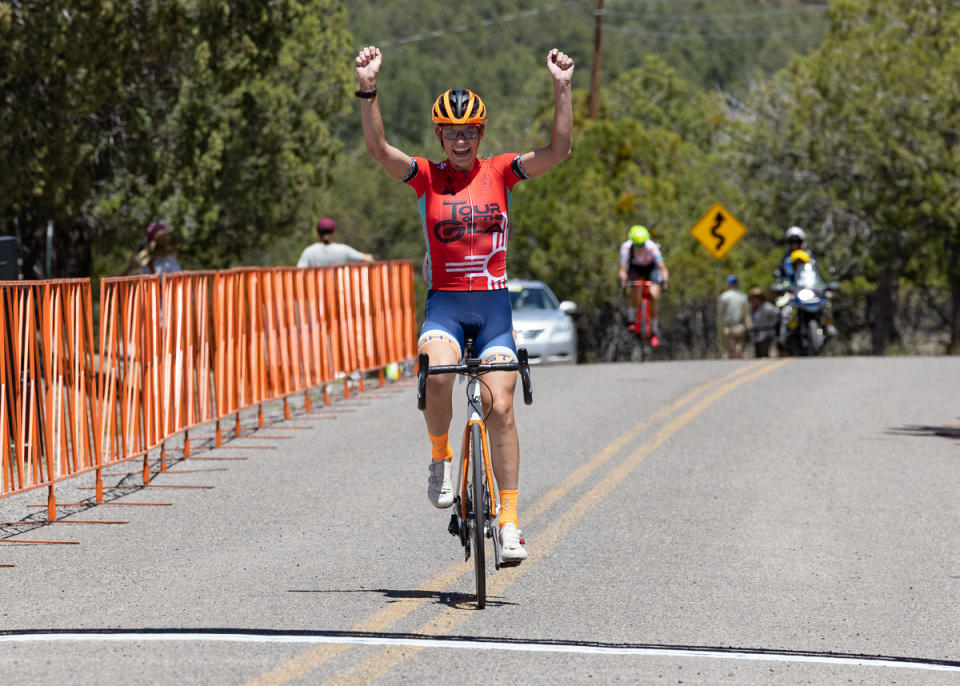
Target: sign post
[(718, 231)]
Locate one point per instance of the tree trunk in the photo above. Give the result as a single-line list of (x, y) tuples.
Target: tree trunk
[(70, 253), (882, 305), (73, 252)]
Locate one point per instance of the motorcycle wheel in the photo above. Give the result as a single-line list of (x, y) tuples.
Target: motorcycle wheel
[(814, 338)]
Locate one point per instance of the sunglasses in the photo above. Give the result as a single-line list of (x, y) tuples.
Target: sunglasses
[(451, 133)]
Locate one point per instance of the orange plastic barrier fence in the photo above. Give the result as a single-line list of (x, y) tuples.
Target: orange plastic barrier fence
[(180, 350), (47, 385), (285, 331), (155, 361)]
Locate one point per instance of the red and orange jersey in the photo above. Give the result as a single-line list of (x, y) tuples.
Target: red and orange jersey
[(465, 220)]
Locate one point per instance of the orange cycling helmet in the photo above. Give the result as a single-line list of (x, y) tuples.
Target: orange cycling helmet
[(459, 106)]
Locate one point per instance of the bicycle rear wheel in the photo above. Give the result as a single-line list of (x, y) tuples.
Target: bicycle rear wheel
[(479, 513)]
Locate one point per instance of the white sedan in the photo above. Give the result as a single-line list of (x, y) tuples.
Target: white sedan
[(541, 323)]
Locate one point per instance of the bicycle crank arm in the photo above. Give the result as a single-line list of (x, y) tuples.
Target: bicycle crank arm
[(454, 526)]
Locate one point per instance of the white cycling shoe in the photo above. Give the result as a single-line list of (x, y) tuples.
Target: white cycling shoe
[(440, 483), (511, 544)]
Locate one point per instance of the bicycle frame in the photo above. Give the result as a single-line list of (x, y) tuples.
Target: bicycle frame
[(643, 324), (475, 417)]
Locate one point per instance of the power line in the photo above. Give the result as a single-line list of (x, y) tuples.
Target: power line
[(719, 36), (673, 3), (463, 28), (712, 3), (720, 16), (528, 14)]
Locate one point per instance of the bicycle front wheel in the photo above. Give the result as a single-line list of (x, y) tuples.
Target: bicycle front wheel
[(479, 513)]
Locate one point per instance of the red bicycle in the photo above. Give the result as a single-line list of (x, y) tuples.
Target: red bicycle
[(642, 327)]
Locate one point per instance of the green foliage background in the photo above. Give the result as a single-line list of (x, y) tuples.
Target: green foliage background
[(234, 122), (216, 116)]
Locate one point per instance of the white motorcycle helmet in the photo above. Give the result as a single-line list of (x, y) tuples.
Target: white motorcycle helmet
[(795, 233)]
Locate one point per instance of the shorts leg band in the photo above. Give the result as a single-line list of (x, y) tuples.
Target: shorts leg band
[(439, 335)]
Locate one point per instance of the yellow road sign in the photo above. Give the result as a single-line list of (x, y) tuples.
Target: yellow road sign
[(718, 231)]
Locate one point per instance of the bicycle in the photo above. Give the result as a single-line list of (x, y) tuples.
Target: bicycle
[(475, 505), (643, 328)]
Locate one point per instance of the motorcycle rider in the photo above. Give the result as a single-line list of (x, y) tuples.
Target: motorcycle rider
[(789, 267), (799, 262), (796, 239)]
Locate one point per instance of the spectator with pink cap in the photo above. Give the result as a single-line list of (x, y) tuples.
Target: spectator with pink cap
[(325, 252), (157, 254)]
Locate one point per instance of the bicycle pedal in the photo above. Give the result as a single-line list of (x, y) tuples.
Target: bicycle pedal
[(454, 526), (509, 563)]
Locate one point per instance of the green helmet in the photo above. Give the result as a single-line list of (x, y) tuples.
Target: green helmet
[(638, 234)]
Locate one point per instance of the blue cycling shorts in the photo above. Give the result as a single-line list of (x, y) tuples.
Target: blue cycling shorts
[(486, 316)]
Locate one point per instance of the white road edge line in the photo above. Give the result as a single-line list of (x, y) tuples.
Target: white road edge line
[(771, 656)]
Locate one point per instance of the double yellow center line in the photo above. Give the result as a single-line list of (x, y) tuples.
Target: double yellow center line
[(696, 401)]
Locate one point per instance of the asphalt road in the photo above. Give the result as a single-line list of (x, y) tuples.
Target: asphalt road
[(719, 522)]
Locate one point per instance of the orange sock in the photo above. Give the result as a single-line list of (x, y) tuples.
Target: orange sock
[(441, 447), (508, 507)]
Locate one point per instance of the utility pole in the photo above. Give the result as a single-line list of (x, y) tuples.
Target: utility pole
[(597, 61)]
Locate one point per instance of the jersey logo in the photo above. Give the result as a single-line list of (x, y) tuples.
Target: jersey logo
[(492, 267), (466, 218), (450, 230)]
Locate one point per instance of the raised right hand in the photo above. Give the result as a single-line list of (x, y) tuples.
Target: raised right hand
[(367, 64)]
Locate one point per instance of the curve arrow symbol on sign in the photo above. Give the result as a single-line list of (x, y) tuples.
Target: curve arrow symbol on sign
[(715, 228)]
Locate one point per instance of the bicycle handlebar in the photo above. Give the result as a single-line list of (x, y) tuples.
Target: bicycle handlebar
[(473, 367), (663, 284)]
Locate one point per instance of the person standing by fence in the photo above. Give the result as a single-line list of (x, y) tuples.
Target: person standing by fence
[(326, 253), (158, 253)]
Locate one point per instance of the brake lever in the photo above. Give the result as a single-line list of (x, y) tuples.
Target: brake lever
[(525, 381)]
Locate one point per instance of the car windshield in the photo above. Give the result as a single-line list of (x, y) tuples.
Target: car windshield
[(532, 299)]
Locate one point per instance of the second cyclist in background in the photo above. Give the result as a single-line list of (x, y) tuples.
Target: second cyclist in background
[(642, 260)]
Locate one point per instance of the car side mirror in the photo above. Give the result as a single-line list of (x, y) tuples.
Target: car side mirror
[(568, 307)]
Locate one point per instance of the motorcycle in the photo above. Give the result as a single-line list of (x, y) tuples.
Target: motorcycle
[(806, 313)]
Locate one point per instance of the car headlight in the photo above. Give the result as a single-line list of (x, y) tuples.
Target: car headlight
[(563, 328)]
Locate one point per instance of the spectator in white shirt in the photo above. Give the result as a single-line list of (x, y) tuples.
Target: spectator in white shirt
[(325, 252)]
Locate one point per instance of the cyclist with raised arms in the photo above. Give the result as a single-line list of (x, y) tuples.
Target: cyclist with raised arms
[(464, 203), (642, 260)]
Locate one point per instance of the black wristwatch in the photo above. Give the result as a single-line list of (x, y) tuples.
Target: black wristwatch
[(366, 94)]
